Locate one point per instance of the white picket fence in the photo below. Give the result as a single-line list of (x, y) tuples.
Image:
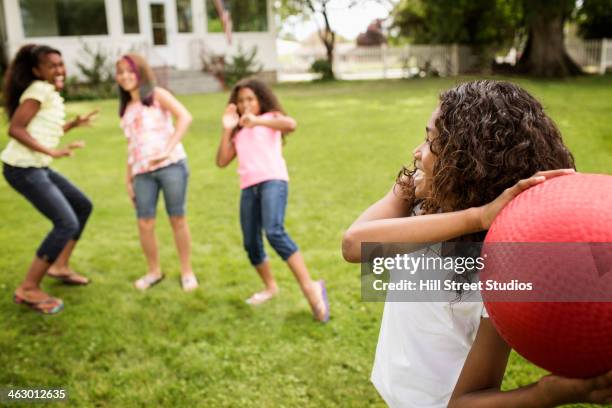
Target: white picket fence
[(395, 62), (592, 55), (377, 62)]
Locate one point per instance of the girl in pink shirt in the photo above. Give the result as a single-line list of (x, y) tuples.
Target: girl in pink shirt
[(253, 127)]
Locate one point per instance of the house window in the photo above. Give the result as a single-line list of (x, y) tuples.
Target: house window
[(129, 9), (42, 18), (249, 15), (158, 24), (184, 16)]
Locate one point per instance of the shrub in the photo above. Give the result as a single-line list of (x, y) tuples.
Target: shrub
[(231, 70), (96, 69), (323, 68)]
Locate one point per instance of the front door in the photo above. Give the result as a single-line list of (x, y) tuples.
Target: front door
[(159, 35)]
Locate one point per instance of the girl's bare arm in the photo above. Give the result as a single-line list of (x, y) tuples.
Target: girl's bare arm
[(181, 116), (226, 150), (18, 129), (430, 228), (388, 221), (482, 374), (285, 124)]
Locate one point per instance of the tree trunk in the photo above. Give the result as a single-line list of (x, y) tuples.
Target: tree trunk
[(545, 53), (329, 41), (329, 51)]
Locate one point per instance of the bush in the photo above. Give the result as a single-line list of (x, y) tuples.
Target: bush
[(229, 71), (97, 71), (80, 91), (323, 68), (241, 65)]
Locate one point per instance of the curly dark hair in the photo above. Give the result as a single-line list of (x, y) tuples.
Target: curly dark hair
[(19, 74), (268, 102), (491, 134)]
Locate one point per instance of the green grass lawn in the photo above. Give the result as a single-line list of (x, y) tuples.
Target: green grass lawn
[(114, 347)]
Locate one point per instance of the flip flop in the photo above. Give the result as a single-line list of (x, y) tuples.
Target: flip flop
[(147, 282), (260, 297), (39, 306), (70, 279), (189, 283), (325, 301)]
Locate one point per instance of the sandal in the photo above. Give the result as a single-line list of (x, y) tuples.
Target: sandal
[(71, 278), (261, 297), (41, 306), (189, 283), (148, 281), (325, 300)]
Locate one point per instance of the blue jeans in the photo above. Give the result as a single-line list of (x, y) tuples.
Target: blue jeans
[(171, 180), (57, 199), (262, 206)]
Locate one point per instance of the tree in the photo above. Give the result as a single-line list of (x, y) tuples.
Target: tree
[(544, 53), (493, 23), (373, 35), (595, 19), (319, 11), (316, 9), (470, 22)]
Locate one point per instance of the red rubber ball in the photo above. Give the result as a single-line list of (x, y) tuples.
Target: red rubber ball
[(568, 338)]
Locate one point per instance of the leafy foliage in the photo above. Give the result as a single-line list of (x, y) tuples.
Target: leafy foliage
[(595, 19), (472, 22), (324, 68), (231, 70), (97, 71), (240, 65)]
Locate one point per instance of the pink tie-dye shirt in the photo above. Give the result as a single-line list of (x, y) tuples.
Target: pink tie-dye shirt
[(148, 130)]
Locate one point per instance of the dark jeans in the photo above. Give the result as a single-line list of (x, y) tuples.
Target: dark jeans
[(262, 206), (57, 199)]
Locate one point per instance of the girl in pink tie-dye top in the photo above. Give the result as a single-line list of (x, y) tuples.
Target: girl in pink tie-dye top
[(156, 162), (253, 125), (149, 130)]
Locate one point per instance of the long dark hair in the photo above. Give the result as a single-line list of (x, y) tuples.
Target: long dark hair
[(268, 102), (491, 134), (19, 74), (146, 82)]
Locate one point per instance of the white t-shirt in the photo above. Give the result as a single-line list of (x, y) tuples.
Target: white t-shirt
[(421, 350)]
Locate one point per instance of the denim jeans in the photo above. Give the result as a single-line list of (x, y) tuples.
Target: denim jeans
[(171, 180), (262, 207), (57, 199)]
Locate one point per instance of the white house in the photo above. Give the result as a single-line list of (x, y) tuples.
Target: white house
[(170, 33)]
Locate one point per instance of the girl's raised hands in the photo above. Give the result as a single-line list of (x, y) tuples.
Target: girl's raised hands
[(247, 120), (85, 120), (81, 120), (489, 211), (230, 117)]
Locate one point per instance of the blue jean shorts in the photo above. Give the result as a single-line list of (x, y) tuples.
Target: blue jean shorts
[(171, 180)]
